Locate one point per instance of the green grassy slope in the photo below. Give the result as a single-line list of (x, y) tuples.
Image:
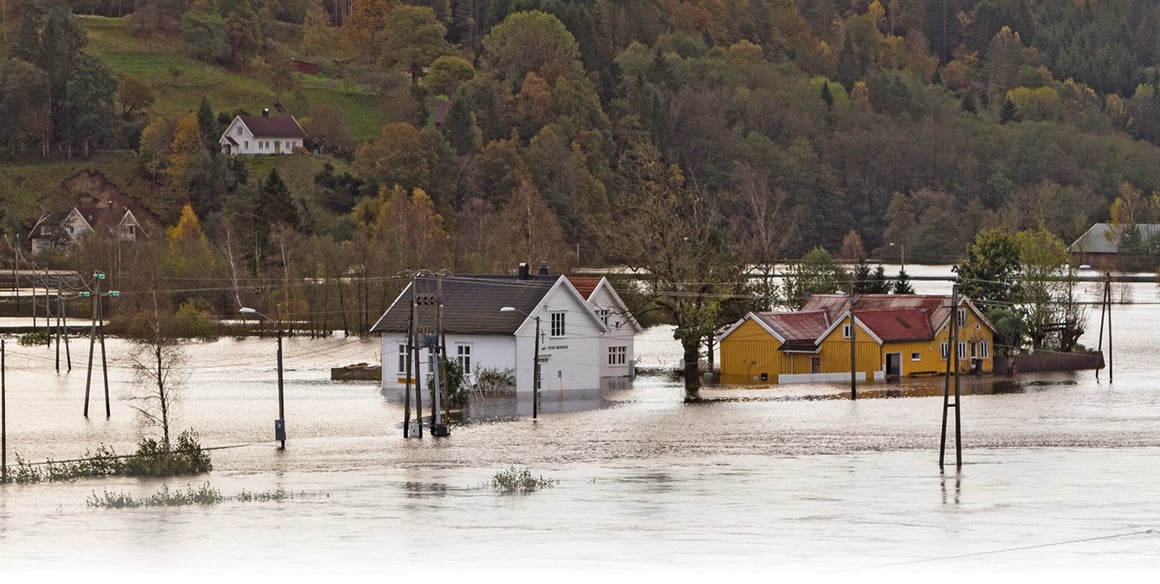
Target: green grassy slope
[(179, 83)]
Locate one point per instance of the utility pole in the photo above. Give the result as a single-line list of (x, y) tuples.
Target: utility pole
[(98, 329), (408, 355), (952, 354), (438, 424), (536, 373), (3, 414), (853, 348), (1108, 303), (92, 337)]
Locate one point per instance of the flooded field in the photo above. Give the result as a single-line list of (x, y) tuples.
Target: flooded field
[(1060, 474)]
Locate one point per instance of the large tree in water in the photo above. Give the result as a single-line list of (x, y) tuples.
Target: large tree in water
[(676, 238)]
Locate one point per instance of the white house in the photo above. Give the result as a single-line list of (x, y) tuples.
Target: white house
[(262, 135), (116, 219), (480, 334), (617, 344)]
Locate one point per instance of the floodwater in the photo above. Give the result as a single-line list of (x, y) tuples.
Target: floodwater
[(1061, 474)]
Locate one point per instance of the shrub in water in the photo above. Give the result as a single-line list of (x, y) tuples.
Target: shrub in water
[(519, 481)]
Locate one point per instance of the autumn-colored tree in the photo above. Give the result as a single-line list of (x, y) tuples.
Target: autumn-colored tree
[(134, 94), (318, 36), (185, 143), (325, 125), (278, 72), (852, 249), (397, 157), (360, 30), (529, 231), (406, 225)]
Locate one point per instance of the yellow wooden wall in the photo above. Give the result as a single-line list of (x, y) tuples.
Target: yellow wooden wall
[(750, 351), (835, 352)]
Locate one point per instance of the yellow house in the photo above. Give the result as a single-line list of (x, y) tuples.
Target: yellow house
[(893, 336)]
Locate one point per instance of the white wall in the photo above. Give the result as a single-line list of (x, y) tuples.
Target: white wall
[(620, 334), (493, 352), (248, 144), (568, 362)]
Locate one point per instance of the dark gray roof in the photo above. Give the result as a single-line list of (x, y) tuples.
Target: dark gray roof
[(1102, 238), (471, 304)]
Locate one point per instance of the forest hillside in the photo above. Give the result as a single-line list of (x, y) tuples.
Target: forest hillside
[(471, 135)]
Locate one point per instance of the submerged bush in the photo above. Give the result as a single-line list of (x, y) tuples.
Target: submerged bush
[(519, 481), (203, 495), (152, 458)]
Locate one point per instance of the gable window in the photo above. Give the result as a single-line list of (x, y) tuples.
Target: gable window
[(557, 329), (962, 317), (845, 331), (402, 358), (604, 312), (617, 355), (239, 130), (463, 357)]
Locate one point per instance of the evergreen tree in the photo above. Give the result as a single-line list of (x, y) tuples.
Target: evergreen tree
[(207, 126)]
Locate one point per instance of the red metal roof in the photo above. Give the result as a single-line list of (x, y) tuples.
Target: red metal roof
[(273, 127), (937, 307), (585, 285), (897, 325), (797, 326)]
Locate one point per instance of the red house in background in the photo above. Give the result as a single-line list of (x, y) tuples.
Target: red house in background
[(305, 67)]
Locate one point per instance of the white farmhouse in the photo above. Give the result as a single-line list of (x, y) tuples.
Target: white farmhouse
[(617, 344), (262, 135), (116, 219), (490, 322)]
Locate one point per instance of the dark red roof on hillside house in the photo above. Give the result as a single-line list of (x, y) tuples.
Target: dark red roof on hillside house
[(897, 325), (585, 285), (273, 127)]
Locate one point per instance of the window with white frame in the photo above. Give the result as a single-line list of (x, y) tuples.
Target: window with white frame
[(916, 356), (402, 358), (845, 331), (617, 355), (984, 350), (962, 317), (557, 329), (944, 350), (962, 351), (463, 357), (239, 130)]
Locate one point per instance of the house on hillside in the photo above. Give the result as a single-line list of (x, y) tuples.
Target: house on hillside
[(117, 220), (490, 322), (262, 135), (1100, 245), (894, 335), (617, 344)]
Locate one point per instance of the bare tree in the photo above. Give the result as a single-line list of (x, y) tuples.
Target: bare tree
[(675, 236)]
